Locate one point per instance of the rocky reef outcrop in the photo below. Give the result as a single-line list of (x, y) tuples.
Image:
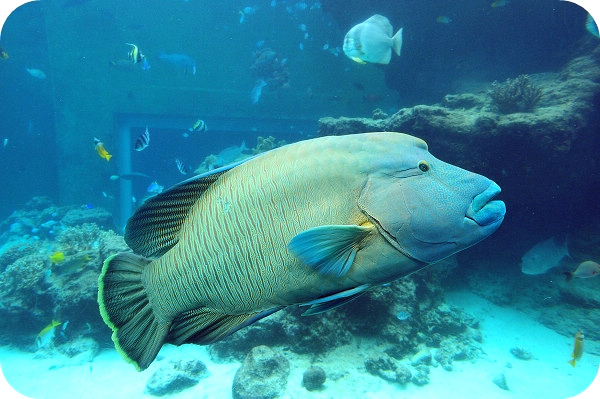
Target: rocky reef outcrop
[(50, 259), (176, 375), (263, 375), (541, 157)]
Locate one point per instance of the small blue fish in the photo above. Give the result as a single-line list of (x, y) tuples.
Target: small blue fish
[(181, 167), (402, 315), (154, 188)]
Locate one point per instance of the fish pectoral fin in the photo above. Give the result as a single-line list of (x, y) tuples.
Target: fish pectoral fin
[(204, 326), (333, 301), (329, 249)]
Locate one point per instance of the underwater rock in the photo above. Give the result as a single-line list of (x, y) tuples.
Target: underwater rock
[(500, 380), (403, 374), (422, 357), (443, 357), (313, 378), (175, 376), (313, 335), (13, 251), (262, 375), (383, 366), (81, 348), (421, 377), (379, 114), (515, 95), (80, 216), (445, 320), (264, 144), (521, 353)]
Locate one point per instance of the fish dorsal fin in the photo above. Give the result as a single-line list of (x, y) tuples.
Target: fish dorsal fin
[(154, 227), (329, 249)]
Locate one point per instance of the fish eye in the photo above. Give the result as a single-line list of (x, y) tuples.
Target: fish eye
[(423, 166)]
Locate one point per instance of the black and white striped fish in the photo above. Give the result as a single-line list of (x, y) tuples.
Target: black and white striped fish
[(143, 141), (181, 167)]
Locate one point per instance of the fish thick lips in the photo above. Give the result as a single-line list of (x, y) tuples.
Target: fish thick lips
[(483, 210)]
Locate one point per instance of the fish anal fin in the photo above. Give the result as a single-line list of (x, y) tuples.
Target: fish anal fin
[(329, 249), (204, 326), (333, 301)]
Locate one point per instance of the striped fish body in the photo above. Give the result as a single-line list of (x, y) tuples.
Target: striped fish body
[(232, 254), (315, 223)]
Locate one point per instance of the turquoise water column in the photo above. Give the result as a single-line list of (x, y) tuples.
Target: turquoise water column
[(125, 189)]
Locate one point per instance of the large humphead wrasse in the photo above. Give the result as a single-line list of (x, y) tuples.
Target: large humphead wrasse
[(315, 223)]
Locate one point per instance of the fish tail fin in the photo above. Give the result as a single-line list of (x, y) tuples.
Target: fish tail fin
[(572, 362), (397, 42), (568, 275), (125, 308)]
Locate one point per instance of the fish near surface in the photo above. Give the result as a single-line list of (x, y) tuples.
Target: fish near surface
[(315, 223)]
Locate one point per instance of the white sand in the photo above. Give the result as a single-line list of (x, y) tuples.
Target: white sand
[(547, 376)]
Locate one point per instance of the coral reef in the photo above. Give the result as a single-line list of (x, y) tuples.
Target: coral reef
[(34, 290), (264, 144), (515, 95)]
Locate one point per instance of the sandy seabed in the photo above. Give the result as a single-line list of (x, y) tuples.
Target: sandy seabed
[(547, 375)]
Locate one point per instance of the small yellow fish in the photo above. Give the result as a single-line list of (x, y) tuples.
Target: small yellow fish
[(585, 269), (577, 349), (57, 257), (443, 19), (101, 150), (135, 55), (3, 54), (47, 334), (74, 264)]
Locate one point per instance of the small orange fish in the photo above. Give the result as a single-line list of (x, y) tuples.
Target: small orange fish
[(577, 349), (585, 269), (101, 150)]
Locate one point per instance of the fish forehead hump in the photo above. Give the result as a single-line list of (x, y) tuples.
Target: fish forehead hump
[(381, 23), (368, 152)]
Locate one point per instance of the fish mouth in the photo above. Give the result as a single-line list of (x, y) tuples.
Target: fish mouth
[(484, 210)]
